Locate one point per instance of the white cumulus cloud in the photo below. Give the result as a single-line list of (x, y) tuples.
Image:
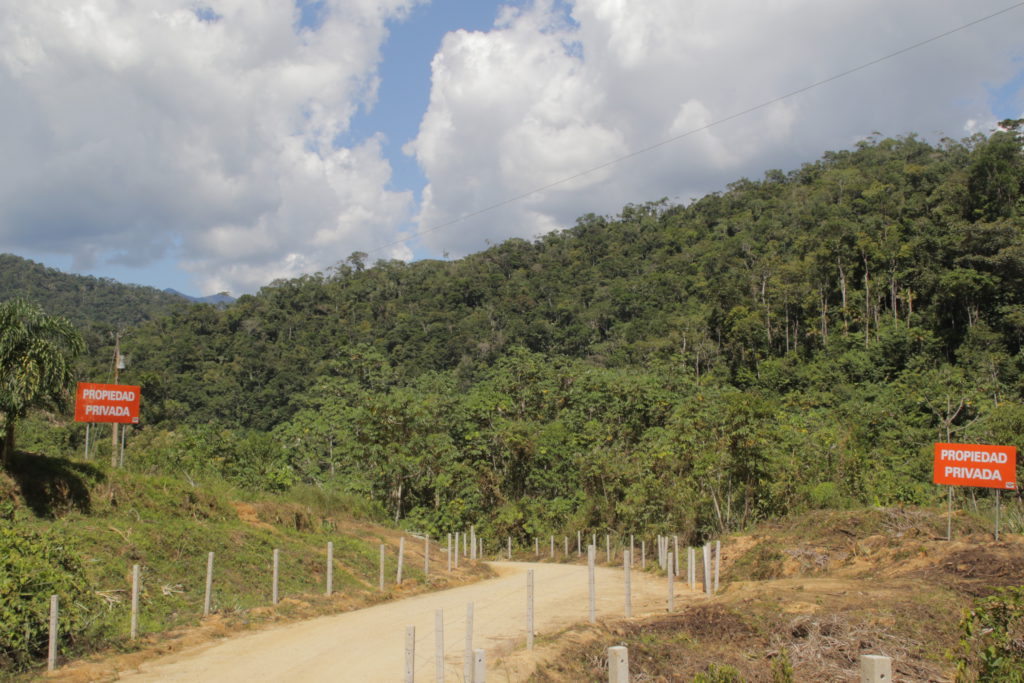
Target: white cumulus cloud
[(558, 88), (207, 133)]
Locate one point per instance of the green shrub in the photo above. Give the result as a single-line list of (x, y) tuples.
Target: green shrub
[(991, 639), (32, 568)]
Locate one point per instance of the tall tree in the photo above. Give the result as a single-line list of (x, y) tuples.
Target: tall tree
[(36, 356)]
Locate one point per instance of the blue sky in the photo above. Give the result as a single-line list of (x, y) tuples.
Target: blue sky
[(222, 145)]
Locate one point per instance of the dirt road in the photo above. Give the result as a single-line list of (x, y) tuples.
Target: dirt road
[(368, 645)]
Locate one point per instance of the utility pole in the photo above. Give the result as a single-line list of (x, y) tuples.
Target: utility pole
[(117, 371)]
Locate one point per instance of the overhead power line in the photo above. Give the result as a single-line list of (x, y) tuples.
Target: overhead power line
[(700, 129)]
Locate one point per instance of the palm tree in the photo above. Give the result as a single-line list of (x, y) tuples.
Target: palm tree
[(36, 356)]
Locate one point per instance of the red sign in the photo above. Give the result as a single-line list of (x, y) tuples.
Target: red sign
[(966, 464), (107, 403)]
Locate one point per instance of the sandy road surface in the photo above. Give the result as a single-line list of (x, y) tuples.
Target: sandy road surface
[(368, 645)]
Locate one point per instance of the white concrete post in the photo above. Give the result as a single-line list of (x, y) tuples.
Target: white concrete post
[(479, 667), (874, 668), (465, 540), (529, 610), (208, 598), (566, 550), (51, 659), (380, 580), (631, 552), (439, 645), (330, 568), (449, 552), (457, 549), (579, 543), (135, 602), (627, 563), (510, 548), (277, 574), (591, 558), (552, 547), (675, 554), (472, 538), (593, 540), (618, 664), (643, 554), (707, 568), (467, 658), (410, 654), (670, 571), (536, 546), (691, 572), (401, 560), (426, 557), (607, 549), (718, 553)]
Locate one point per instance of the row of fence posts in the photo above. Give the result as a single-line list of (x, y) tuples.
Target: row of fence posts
[(472, 548), (208, 593), (474, 659)]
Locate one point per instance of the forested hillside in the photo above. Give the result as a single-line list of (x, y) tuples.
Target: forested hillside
[(792, 342)]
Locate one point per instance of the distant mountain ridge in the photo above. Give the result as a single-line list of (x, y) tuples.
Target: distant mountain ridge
[(220, 299), (83, 299)]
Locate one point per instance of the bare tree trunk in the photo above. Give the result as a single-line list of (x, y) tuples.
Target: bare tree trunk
[(842, 288), (867, 303)]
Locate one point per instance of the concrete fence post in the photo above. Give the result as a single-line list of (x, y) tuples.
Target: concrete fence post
[(675, 554), (401, 560), (579, 543), (277, 575), (51, 658), (479, 666), (135, 602), (875, 668), (510, 548), (467, 659), (591, 558), (426, 557), (449, 551), (565, 550), (410, 654), (439, 646), (456, 549), (208, 597), (529, 610), (536, 546), (465, 537), (643, 554), (618, 664), (707, 568), (627, 563), (718, 553), (380, 578), (607, 549), (472, 539), (631, 553), (330, 568), (552, 555), (670, 571)]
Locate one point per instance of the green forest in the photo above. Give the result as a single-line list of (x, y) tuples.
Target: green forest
[(788, 343)]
